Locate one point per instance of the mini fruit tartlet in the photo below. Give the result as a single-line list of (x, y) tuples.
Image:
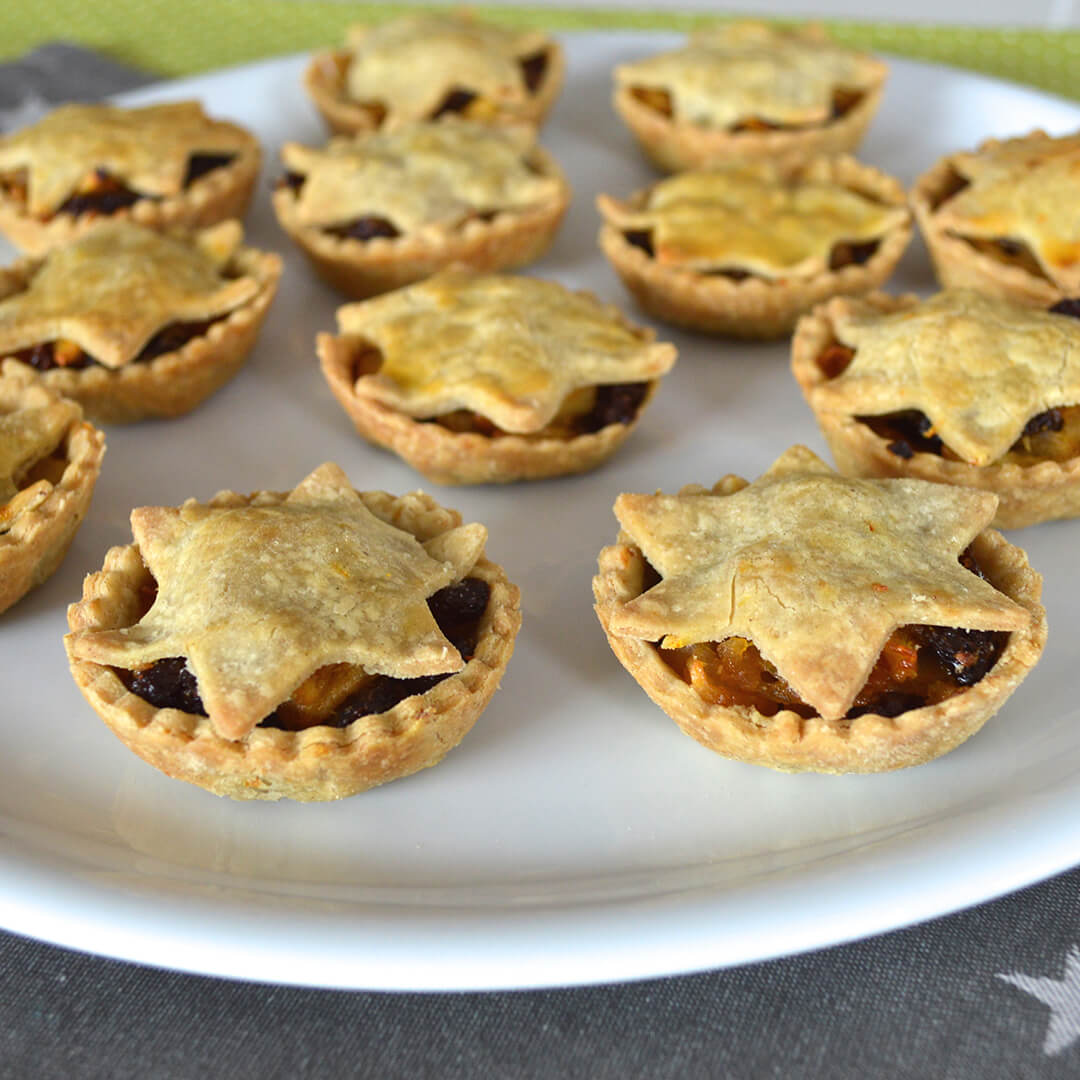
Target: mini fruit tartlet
[(432, 65), (745, 250), (133, 323), (749, 91), (814, 622), (377, 211), (305, 645), (162, 166), (1000, 219), (963, 388), (491, 378), (50, 459)]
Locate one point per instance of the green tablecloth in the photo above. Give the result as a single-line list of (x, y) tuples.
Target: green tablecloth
[(177, 39)]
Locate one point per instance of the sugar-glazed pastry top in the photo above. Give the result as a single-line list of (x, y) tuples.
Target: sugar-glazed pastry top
[(755, 219), (979, 368), (1020, 191), (422, 175), (750, 73), (149, 149), (511, 348), (112, 289), (817, 570), (410, 65)]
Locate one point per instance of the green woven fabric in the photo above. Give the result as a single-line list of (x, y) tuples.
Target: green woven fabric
[(176, 38)]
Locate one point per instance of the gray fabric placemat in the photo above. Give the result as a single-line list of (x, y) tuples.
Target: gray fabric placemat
[(990, 993)]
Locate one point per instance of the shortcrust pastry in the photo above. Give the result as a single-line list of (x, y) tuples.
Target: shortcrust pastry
[(162, 166), (1001, 219), (814, 622), (490, 378), (49, 463), (746, 249), (962, 388), (305, 645), (749, 91), (432, 65), (380, 210), (134, 323)]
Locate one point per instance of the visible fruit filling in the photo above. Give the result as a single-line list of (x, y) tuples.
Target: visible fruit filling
[(337, 694)]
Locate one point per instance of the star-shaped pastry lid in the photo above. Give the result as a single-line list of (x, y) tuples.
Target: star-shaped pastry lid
[(410, 64), (1023, 189), (112, 289), (752, 218), (741, 70), (816, 569), (424, 174), (980, 368), (29, 434), (147, 148), (508, 347), (258, 597)]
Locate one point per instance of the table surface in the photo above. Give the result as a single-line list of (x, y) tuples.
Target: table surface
[(992, 992)]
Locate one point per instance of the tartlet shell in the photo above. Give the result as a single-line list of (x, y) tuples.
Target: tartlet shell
[(324, 82), (35, 545), (867, 744), (675, 147), (221, 194), (1028, 494), (173, 383), (361, 269), (321, 763), (755, 307), (959, 265)]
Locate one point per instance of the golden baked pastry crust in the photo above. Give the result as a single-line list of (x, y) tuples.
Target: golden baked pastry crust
[(147, 148), (985, 398), (39, 521), (218, 278), (321, 762), (820, 743), (515, 372), (1010, 190), (732, 72), (428, 56), (757, 306), (486, 199)]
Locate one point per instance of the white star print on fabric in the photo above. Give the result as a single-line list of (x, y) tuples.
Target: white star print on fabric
[(1063, 997)]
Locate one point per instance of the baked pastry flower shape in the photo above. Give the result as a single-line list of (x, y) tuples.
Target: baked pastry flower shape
[(162, 166), (1002, 218), (482, 378), (744, 250), (50, 459), (961, 388), (814, 622), (133, 323), (380, 210), (750, 91), (432, 65), (305, 645)]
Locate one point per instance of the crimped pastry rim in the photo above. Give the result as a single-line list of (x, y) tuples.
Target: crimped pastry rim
[(222, 193), (324, 78), (319, 763), (756, 307), (363, 268), (39, 538), (449, 457), (676, 146), (956, 262), (789, 743), (1028, 494), (175, 382)]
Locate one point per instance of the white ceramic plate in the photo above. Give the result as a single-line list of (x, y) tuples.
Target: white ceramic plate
[(576, 835)]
